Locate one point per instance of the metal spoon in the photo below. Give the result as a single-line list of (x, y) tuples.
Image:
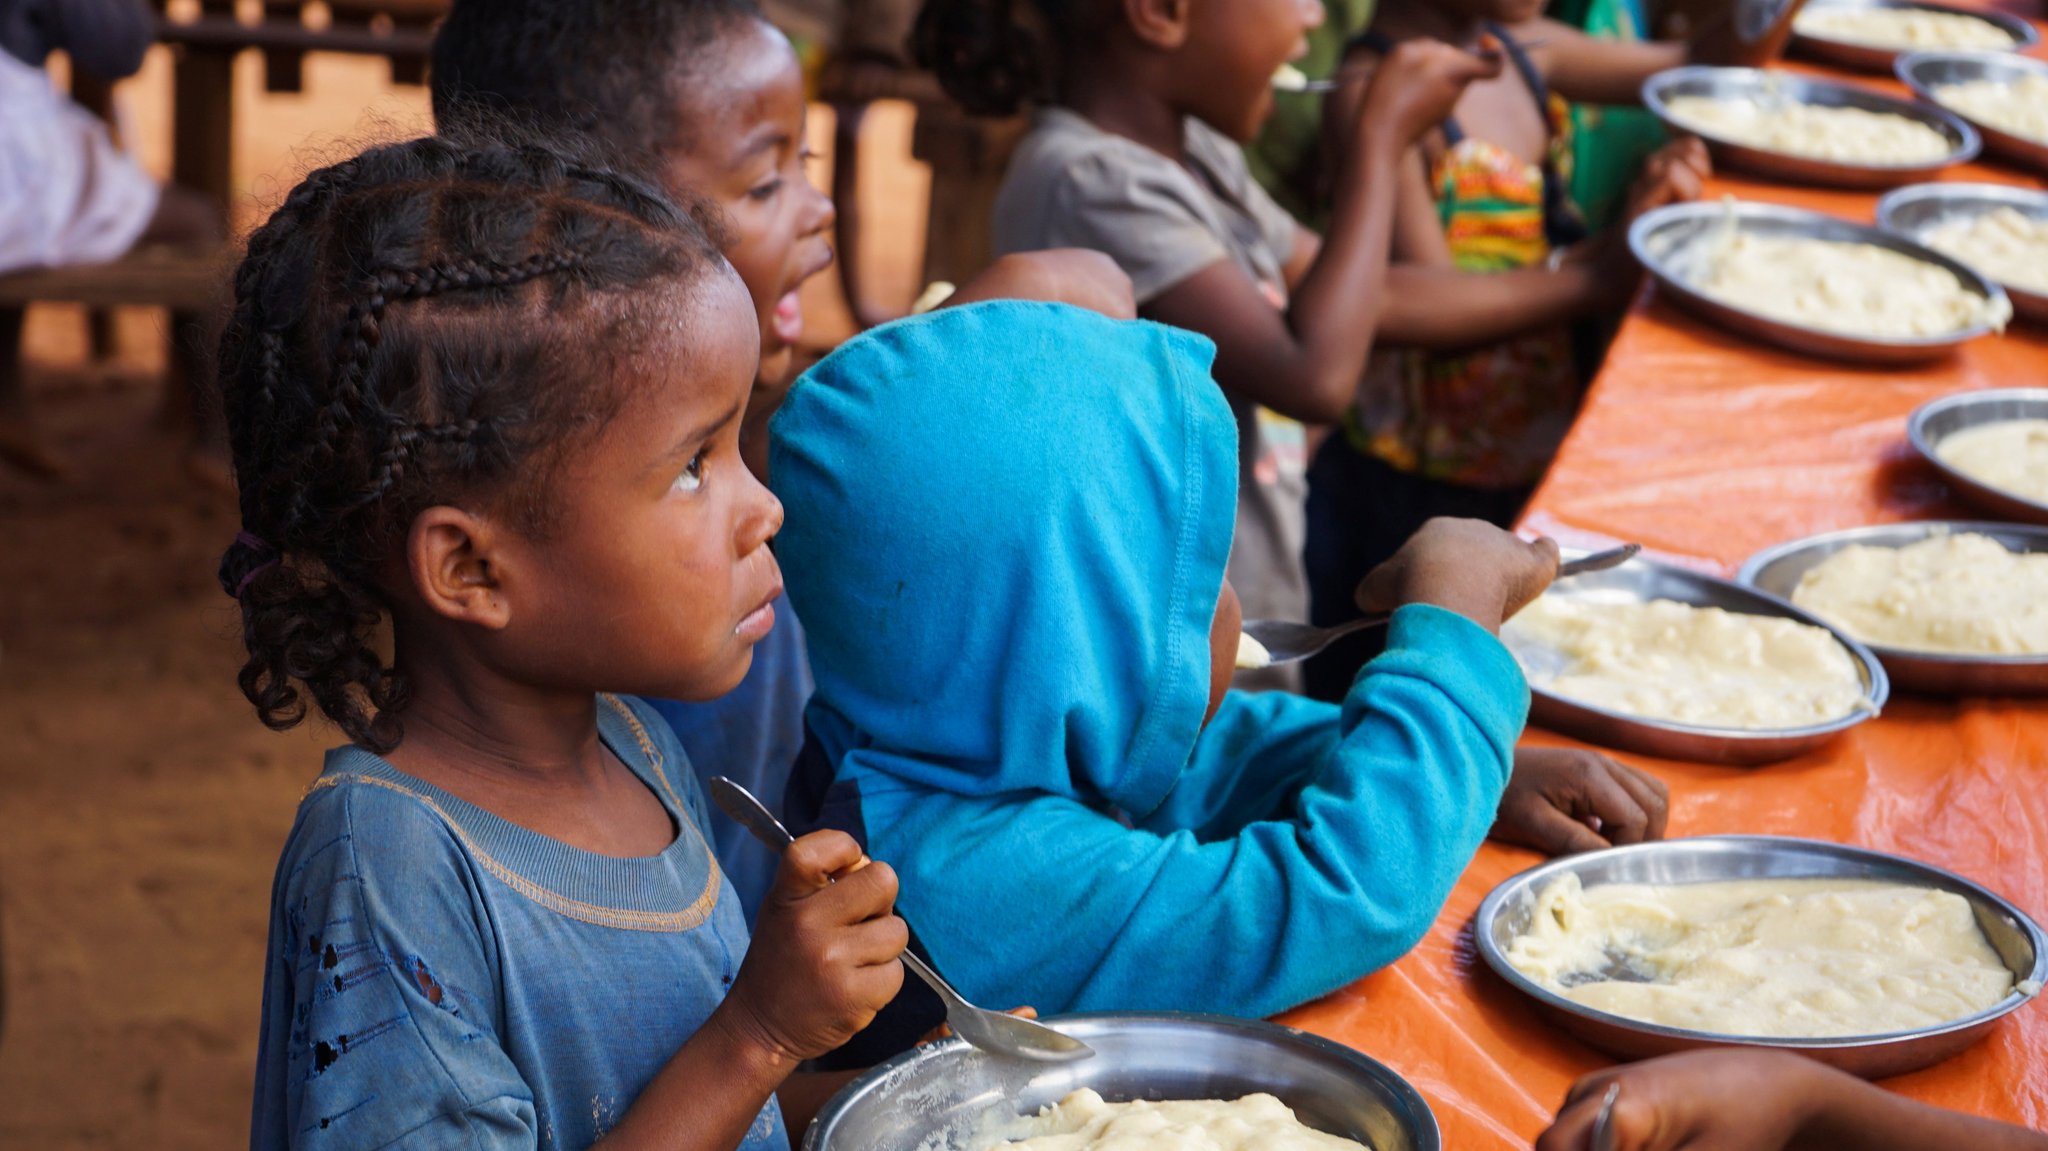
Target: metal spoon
[(992, 1031), (1286, 641), (1603, 1121)]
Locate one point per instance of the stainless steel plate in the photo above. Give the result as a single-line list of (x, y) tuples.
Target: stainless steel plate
[(948, 1095), (1778, 570), (1504, 915), (1640, 581), (1914, 212), (1852, 54), (1936, 421), (1759, 86), (1663, 241), (1923, 72)]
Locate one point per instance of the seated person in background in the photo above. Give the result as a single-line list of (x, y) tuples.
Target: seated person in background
[(1753, 1100), (1007, 531), (68, 195), (706, 99)]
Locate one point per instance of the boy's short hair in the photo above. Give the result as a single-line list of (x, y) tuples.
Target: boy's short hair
[(612, 70)]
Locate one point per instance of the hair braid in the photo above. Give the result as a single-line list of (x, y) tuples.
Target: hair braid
[(356, 399)]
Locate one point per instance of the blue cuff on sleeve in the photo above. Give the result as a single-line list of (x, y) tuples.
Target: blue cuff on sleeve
[(1467, 662)]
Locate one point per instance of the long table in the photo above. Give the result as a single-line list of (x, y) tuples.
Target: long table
[(1707, 447)]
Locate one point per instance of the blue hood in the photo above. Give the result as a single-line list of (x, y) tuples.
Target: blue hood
[(1006, 531)]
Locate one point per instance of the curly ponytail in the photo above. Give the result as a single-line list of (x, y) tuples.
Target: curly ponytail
[(406, 332)]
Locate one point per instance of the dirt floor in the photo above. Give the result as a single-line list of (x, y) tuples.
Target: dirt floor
[(141, 804)]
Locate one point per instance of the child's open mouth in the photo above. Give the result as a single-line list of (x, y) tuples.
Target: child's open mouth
[(788, 321)]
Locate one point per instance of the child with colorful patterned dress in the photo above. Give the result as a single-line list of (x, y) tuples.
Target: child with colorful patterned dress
[(1465, 401)]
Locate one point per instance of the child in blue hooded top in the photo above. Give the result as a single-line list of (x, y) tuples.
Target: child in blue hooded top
[(1007, 529)]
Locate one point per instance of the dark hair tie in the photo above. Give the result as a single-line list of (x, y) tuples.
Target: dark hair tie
[(253, 550)]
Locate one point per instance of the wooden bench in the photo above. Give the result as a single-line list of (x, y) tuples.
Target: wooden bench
[(206, 44), (192, 283), (177, 278)]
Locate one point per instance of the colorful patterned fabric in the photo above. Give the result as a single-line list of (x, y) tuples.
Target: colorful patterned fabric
[(1489, 417)]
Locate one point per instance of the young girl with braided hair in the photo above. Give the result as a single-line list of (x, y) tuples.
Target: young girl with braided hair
[(484, 405), (706, 98)]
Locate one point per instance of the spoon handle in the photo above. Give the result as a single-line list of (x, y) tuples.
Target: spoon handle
[(741, 804), (1603, 1123), (918, 967)]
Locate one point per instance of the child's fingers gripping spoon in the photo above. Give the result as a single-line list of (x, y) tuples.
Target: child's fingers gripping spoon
[(992, 1031)]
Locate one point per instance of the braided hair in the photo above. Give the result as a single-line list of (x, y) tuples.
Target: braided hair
[(423, 323)]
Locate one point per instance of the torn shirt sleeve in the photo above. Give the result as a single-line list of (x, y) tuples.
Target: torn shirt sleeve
[(378, 1013)]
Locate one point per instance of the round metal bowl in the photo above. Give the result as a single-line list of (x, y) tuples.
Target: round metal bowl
[(1923, 72), (1777, 570), (1504, 915), (1936, 421), (1876, 58), (950, 1097), (1640, 581), (1914, 212), (1756, 85), (1663, 239)]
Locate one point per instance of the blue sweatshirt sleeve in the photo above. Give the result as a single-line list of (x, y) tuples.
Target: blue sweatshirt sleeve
[(1048, 901), (378, 998), (1254, 758)]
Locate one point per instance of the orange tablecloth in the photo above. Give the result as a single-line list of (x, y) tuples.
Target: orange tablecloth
[(1707, 448)]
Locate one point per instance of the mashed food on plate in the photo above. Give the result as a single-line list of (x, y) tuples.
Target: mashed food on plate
[(1907, 29), (1960, 594), (1083, 1121), (2019, 107), (1672, 661), (1781, 958), (2004, 244), (2010, 455), (1837, 286), (1844, 135)]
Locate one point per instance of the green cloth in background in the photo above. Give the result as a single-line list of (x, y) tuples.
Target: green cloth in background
[(1282, 158), (1608, 143)]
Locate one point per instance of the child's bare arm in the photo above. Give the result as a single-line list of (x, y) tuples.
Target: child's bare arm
[(1431, 304), (823, 960), (1443, 308), (1435, 307), (1306, 362), (1418, 228), (1590, 70), (1074, 276), (805, 1093), (1765, 1101)]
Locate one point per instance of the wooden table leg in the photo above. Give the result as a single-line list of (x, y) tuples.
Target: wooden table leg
[(202, 158)]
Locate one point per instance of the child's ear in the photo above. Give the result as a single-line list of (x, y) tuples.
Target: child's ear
[(1161, 24), (452, 559)]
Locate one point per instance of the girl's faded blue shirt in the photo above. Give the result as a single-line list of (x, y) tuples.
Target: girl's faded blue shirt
[(440, 977)]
